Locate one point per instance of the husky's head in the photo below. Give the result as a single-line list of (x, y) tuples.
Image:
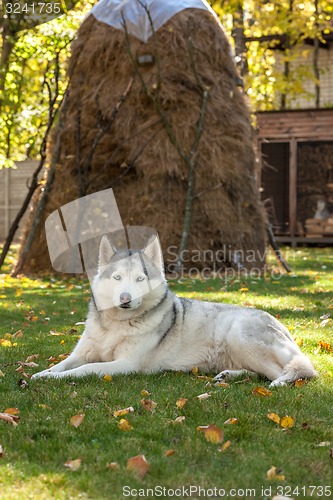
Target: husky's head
[(128, 279)]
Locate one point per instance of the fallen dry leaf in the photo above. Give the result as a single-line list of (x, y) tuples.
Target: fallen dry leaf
[(76, 420), (12, 411), (2, 373), (73, 464), (203, 397), (331, 453), (124, 411), (261, 391), (179, 420), (139, 465), (287, 422), (145, 393), (1, 451), (17, 334), (5, 343), (32, 357), (113, 466), (323, 443), (274, 417), (195, 370), (29, 364), (274, 473), (124, 425), (300, 382), (212, 433), (168, 453), (148, 404), (221, 384), (231, 421), (225, 446), (10, 419), (181, 402)]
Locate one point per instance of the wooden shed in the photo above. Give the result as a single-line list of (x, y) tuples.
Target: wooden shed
[(296, 173)]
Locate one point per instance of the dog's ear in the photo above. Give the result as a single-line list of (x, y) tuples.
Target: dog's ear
[(154, 253), (106, 251)]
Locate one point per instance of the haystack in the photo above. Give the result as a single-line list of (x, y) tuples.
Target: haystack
[(136, 157)]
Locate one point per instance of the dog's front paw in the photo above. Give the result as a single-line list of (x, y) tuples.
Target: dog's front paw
[(44, 374), (277, 383)]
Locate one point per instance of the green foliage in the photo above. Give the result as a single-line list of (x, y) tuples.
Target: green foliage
[(34, 75), (35, 451), (30, 58), (296, 21)]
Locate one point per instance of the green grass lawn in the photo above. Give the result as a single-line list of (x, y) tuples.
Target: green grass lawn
[(46, 311)]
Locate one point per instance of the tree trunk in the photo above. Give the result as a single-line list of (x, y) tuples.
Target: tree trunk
[(240, 39)]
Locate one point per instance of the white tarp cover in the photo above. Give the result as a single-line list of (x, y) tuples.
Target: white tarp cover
[(114, 12)]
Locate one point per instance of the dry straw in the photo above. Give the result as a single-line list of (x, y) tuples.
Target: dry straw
[(135, 155)]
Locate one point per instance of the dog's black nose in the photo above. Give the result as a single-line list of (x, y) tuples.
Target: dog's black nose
[(125, 298)]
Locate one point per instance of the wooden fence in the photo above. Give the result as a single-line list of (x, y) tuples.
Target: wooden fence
[(13, 189)]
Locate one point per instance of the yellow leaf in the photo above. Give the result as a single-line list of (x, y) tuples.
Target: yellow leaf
[(73, 464), (34, 318), (77, 420), (148, 404), (18, 292), (107, 378), (287, 422), (231, 421), (181, 402), (274, 473), (244, 289), (62, 342), (168, 453), (261, 391), (195, 370), (145, 393), (5, 343), (139, 465), (124, 411), (212, 433), (299, 341), (124, 425), (225, 446), (274, 417), (12, 411), (221, 384)]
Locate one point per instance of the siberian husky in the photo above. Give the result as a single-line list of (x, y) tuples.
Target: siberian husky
[(136, 324)]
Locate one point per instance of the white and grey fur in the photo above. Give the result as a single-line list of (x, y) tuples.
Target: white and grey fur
[(157, 330)]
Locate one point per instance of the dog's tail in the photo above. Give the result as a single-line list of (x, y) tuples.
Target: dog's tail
[(299, 367)]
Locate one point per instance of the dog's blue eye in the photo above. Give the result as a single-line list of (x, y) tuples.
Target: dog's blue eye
[(140, 278), (116, 277)]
